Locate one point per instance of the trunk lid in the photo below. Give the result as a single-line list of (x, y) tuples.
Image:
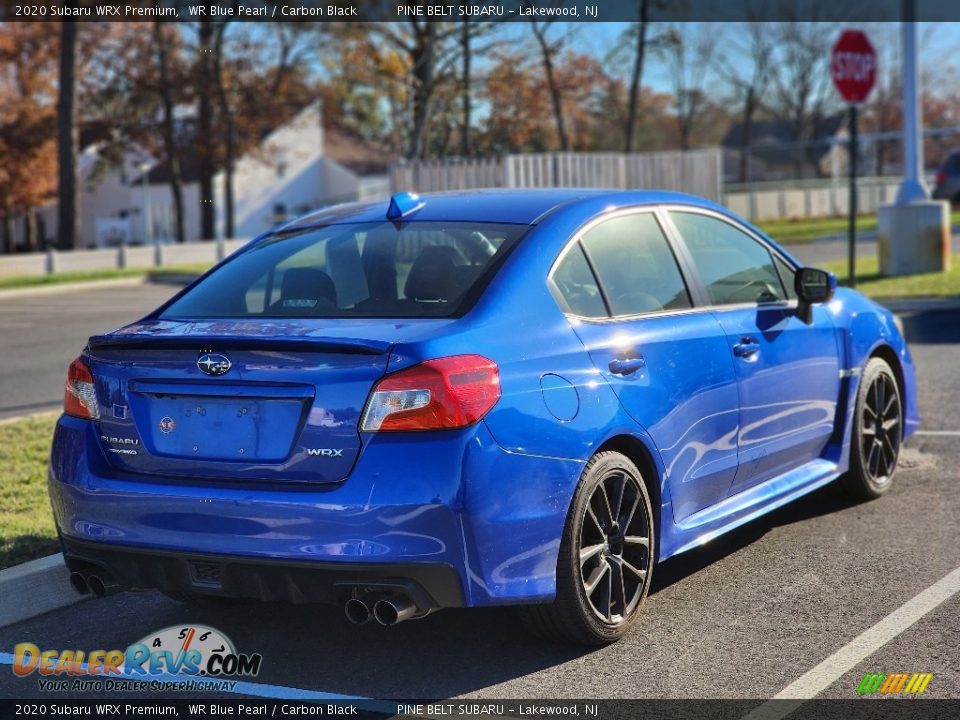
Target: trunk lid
[(283, 402)]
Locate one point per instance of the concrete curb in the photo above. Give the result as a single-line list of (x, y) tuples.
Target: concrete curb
[(56, 288), (34, 588), (54, 409), (910, 306)]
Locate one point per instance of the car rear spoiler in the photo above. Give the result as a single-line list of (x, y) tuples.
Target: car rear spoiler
[(344, 346)]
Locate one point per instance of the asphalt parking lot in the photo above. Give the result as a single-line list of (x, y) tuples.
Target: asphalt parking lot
[(742, 617)]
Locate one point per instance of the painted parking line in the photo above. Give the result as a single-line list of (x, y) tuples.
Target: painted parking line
[(264, 690), (819, 678), (939, 433)]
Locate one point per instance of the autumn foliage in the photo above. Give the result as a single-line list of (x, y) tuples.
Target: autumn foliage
[(28, 159)]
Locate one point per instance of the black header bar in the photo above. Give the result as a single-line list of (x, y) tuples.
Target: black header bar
[(846, 11)]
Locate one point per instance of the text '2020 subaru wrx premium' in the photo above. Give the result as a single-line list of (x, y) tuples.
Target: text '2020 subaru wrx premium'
[(472, 399)]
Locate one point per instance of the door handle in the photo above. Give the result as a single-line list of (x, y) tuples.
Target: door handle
[(626, 366), (746, 348)]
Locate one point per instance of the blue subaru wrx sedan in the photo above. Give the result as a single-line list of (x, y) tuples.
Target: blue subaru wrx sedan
[(470, 399)]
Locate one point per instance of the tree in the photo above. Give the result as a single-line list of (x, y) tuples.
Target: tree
[(229, 131), (68, 225), (690, 56), (465, 87), (470, 32), (405, 63), (163, 45), (802, 93), (205, 142), (29, 53), (633, 106), (749, 88), (522, 108), (548, 53)]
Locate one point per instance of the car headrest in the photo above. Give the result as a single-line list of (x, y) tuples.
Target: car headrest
[(306, 288), (431, 274)]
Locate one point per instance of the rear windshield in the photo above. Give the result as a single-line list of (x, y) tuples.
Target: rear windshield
[(425, 269)]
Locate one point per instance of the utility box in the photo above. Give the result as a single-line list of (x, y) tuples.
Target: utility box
[(914, 238)]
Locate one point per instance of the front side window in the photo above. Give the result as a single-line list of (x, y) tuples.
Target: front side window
[(734, 267), (787, 275), (425, 269), (635, 265)]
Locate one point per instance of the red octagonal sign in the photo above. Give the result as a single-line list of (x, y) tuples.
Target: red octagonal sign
[(853, 66)]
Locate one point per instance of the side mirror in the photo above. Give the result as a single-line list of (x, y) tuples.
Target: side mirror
[(813, 286)]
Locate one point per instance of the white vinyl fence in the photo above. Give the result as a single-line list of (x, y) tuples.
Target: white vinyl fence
[(133, 256), (797, 199), (695, 171)]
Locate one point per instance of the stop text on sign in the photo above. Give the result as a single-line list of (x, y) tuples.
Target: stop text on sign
[(853, 66), (858, 67)]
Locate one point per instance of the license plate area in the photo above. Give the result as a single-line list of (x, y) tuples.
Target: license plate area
[(217, 428)]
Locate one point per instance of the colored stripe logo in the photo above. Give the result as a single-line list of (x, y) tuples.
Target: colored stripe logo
[(894, 683)]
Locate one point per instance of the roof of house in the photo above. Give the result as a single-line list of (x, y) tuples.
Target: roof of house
[(349, 148), (764, 132), (341, 144)]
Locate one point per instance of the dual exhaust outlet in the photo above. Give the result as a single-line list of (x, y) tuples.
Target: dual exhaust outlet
[(94, 582), (388, 610)]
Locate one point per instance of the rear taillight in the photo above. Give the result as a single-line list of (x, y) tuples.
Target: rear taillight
[(441, 394), (80, 396), (941, 178)]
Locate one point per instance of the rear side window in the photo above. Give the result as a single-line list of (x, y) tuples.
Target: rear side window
[(576, 287), (635, 265), (425, 269), (734, 267)]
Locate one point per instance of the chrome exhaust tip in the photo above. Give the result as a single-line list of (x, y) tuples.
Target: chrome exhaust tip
[(390, 611), (79, 583), (102, 585), (358, 610)]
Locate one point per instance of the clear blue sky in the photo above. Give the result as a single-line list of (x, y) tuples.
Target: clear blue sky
[(939, 43)]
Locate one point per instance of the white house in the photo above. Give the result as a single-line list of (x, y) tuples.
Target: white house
[(297, 166), (294, 169)]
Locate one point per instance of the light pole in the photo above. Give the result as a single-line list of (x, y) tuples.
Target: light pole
[(913, 188), (913, 234)]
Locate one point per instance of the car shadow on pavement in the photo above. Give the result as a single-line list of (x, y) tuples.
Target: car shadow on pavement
[(824, 501), (313, 647), (450, 653)]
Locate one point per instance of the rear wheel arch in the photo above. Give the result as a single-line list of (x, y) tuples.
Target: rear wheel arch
[(640, 455)]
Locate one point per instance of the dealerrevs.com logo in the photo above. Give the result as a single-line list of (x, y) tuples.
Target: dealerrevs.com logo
[(176, 658)]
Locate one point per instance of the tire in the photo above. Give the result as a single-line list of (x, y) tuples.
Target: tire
[(621, 550), (876, 434)]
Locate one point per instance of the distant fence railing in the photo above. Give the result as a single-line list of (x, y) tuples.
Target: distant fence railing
[(130, 256), (828, 197), (694, 171)]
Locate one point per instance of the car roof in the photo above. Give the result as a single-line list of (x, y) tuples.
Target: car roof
[(500, 205)]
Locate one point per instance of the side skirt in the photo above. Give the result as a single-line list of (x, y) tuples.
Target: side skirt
[(736, 510)]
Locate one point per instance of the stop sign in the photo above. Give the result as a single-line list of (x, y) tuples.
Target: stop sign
[(853, 66)]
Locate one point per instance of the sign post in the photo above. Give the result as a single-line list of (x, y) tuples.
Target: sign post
[(853, 67)]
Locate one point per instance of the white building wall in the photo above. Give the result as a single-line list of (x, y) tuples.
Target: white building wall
[(110, 196), (286, 176)]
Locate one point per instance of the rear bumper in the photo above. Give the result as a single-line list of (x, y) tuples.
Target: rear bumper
[(424, 509), (430, 585)]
